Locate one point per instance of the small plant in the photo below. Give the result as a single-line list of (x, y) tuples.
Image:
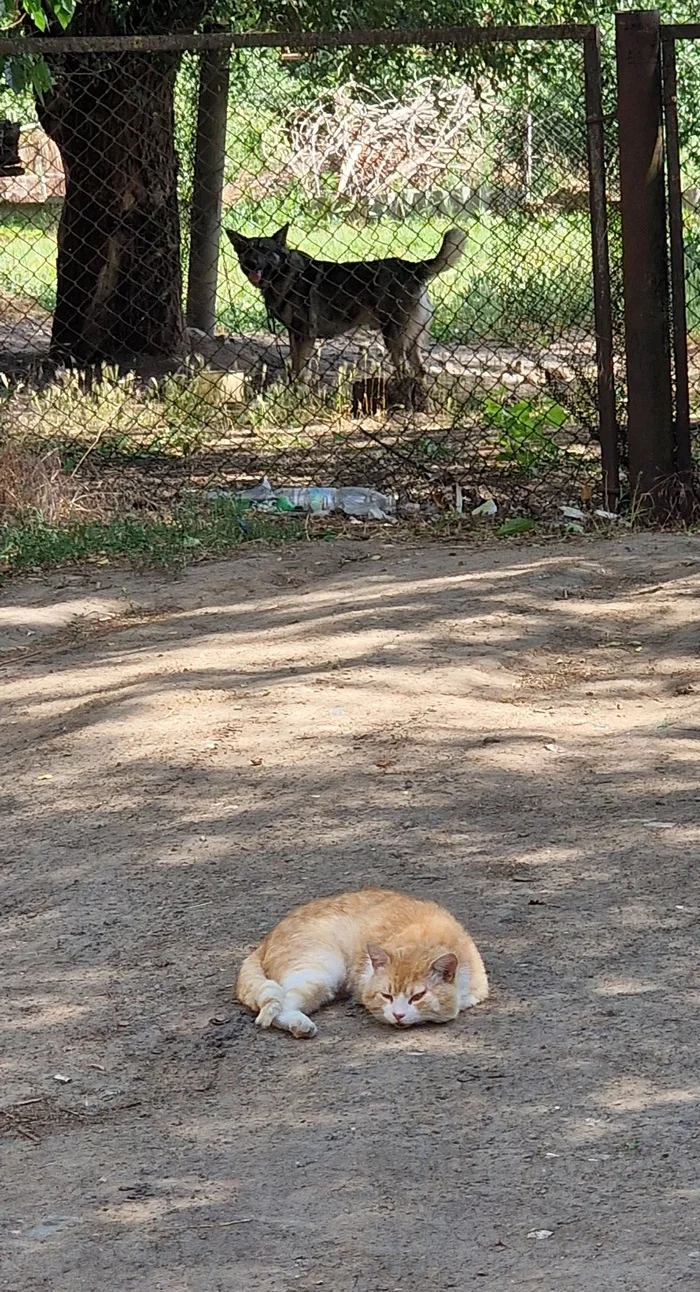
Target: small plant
[(517, 525), (431, 449), (525, 432)]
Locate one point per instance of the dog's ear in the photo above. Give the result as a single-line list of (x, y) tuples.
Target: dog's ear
[(237, 239), (281, 235)]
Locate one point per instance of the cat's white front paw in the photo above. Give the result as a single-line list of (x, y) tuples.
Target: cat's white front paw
[(298, 1024), (268, 1014)]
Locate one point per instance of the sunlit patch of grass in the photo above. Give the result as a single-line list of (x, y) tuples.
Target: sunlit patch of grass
[(190, 533), (523, 277), (117, 413)]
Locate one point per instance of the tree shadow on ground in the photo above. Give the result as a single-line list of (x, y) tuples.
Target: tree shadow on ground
[(146, 850)]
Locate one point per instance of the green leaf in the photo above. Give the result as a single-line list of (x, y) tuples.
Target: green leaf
[(37, 13), (491, 408), (518, 525), (556, 415), (41, 77), (64, 10)]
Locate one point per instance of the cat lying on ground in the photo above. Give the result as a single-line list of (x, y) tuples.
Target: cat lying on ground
[(407, 961)]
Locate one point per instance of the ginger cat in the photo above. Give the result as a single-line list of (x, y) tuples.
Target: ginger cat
[(406, 960)]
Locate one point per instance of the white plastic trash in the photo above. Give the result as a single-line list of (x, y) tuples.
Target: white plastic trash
[(354, 501)]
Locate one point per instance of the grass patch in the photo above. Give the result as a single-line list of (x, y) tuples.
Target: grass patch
[(28, 249), (120, 416), (523, 277), (191, 533)]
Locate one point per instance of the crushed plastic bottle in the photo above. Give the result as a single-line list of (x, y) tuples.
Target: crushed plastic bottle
[(312, 499), (262, 492), (353, 500)]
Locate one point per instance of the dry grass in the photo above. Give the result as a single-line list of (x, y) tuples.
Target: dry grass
[(35, 485)]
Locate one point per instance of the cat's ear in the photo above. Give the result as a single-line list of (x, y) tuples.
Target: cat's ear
[(445, 967), (281, 235), (377, 955), (237, 239)]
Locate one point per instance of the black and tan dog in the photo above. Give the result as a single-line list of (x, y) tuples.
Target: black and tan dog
[(318, 299)]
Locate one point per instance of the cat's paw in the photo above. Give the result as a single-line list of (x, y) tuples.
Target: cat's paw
[(298, 1024), (268, 1014)]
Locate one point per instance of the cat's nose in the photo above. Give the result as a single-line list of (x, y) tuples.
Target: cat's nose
[(398, 1016)]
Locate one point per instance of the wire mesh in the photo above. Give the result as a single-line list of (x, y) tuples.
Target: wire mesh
[(688, 99), (404, 296)]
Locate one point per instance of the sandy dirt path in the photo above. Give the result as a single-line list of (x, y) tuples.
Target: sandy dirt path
[(511, 730)]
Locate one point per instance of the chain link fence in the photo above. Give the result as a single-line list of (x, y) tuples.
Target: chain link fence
[(404, 292), (682, 95)]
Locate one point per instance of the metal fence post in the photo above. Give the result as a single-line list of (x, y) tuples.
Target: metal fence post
[(209, 160), (644, 256), (595, 140), (684, 455)]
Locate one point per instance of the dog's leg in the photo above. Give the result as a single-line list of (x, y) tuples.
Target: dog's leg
[(417, 332), (395, 343), (301, 349)]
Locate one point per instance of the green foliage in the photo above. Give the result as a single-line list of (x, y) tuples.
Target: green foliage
[(517, 525), (28, 72), (522, 278), (525, 431), (190, 533), (40, 12)]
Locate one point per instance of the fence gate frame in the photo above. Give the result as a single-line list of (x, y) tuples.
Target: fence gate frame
[(216, 46), (656, 325), (670, 34)]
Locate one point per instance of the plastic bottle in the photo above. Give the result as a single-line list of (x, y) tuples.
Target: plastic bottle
[(356, 501), (312, 499)]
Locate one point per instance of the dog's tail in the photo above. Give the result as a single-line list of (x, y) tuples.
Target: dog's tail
[(448, 256), (261, 994)]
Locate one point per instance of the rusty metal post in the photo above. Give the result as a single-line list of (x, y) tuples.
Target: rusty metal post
[(642, 201), (209, 160), (595, 140), (684, 460)]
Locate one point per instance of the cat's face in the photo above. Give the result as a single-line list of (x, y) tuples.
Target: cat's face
[(260, 258), (403, 990)]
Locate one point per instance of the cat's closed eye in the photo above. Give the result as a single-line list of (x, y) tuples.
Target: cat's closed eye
[(385, 995), (417, 995)]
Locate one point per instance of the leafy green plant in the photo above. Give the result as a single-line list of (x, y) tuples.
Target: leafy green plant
[(525, 431), (517, 525), (431, 449)]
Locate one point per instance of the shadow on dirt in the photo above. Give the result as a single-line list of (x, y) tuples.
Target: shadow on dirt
[(173, 785)]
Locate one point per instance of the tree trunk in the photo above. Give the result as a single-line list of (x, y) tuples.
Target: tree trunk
[(119, 291)]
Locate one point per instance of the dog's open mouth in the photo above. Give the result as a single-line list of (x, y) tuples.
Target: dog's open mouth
[(255, 277)]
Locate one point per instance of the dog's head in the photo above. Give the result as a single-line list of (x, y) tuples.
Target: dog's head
[(260, 258)]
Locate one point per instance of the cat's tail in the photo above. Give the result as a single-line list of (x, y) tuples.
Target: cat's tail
[(261, 994)]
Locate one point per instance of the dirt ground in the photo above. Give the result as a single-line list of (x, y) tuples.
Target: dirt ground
[(511, 730)]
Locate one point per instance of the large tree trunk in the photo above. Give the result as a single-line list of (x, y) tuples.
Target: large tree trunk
[(118, 281)]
